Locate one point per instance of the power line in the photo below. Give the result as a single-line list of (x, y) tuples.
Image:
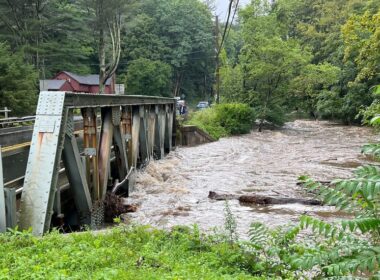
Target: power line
[(225, 27), (233, 17), (225, 33)]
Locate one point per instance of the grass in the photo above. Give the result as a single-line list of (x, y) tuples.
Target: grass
[(137, 252)]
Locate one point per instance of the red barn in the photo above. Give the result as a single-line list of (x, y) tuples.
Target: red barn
[(66, 81)]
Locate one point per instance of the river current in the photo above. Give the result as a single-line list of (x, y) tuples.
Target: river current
[(174, 191)]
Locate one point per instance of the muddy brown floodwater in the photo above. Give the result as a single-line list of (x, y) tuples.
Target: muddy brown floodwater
[(174, 191)]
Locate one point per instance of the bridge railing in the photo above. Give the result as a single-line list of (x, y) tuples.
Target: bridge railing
[(135, 128)]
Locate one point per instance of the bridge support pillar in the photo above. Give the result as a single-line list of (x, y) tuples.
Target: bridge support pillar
[(135, 135), (105, 142), (75, 174), (151, 131), (144, 155), (169, 131), (41, 176), (90, 141)]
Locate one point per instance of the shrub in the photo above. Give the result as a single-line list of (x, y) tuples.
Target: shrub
[(236, 118), (224, 119), (208, 121)]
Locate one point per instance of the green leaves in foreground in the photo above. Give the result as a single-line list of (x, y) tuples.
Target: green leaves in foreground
[(371, 150), (348, 247)]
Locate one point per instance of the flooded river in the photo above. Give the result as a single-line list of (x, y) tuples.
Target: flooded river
[(174, 191)]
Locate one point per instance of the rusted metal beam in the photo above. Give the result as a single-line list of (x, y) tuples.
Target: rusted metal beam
[(135, 135), (105, 142), (126, 131), (162, 131), (151, 130), (90, 141), (143, 140)]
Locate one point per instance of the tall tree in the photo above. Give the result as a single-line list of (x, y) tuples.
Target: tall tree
[(48, 32), (108, 19), (176, 32), (18, 88)]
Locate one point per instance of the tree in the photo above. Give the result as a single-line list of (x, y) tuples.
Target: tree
[(147, 77), (312, 80), (176, 32), (53, 35), (108, 22), (18, 89), (268, 62), (269, 68)]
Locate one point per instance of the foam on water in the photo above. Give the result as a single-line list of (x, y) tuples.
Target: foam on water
[(174, 191)]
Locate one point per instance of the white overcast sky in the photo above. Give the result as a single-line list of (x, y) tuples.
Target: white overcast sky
[(222, 7)]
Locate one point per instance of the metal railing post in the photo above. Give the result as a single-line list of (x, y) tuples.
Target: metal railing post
[(10, 208), (3, 222)]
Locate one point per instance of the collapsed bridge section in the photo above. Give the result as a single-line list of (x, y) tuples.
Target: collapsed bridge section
[(133, 130)]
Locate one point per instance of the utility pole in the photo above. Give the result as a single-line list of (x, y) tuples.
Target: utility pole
[(217, 78)]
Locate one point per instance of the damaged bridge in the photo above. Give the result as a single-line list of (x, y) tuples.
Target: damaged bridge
[(120, 133)]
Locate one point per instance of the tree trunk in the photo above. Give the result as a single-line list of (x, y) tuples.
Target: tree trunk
[(177, 85), (102, 48), (112, 22), (261, 125), (263, 200)]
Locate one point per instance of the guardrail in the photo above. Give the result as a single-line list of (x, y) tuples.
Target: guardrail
[(15, 121)]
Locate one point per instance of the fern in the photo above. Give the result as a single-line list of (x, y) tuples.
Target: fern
[(368, 171), (372, 150), (349, 247), (258, 235), (333, 197)]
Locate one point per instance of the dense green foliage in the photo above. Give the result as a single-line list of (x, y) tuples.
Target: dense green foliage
[(178, 33), (17, 82), (289, 56), (224, 119), (148, 77), (304, 55), (166, 45), (123, 253)]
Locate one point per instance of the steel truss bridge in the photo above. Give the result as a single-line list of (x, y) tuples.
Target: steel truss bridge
[(132, 131)]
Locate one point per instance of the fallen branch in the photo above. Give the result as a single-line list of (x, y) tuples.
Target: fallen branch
[(263, 200)]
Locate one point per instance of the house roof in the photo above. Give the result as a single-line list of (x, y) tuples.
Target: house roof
[(92, 80), (52, 84)]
